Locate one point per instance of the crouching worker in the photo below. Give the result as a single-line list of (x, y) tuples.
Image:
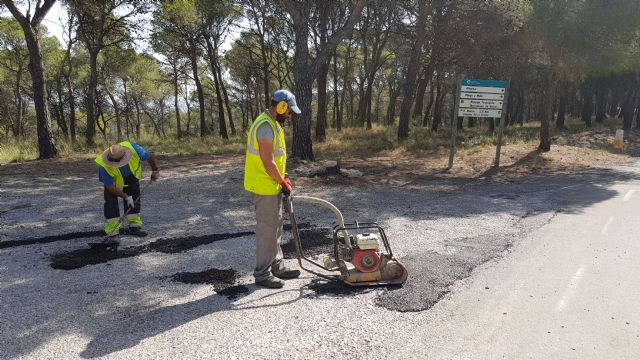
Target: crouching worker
[(265, 180), (120, 170)]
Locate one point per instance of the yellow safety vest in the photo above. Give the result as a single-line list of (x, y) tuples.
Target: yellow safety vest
[(114, 172), (256, 178)]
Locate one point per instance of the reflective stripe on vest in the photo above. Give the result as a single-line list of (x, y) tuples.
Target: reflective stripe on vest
[(256, 178), (135, 166)]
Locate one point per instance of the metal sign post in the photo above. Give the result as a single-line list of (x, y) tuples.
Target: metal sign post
[(501, 129), (454, 128)]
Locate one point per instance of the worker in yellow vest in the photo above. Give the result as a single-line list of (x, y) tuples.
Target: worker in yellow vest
[(120, 170), (265, 180)]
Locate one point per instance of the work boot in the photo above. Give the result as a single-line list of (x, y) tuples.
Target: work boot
[(109, 243), (286, 273), (271, 282), (111, 240), (136, 231)]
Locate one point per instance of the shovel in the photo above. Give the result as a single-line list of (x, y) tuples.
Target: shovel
[(113, 245)]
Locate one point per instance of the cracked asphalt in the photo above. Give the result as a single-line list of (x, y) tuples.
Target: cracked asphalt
[(130, 308)]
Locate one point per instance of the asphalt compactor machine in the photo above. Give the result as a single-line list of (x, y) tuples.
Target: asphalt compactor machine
[(361, 252)]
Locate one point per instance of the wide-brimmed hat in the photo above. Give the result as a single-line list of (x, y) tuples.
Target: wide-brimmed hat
[(116, 155)]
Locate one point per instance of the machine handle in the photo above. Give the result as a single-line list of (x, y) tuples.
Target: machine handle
[(330, 206)]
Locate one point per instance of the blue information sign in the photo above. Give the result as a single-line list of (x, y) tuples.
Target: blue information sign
[(485, 83)]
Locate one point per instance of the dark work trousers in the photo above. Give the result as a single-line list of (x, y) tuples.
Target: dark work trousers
[(131, 188)]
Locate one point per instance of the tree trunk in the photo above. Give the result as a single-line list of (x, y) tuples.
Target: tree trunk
[(62, 121), (137, 105), (547, 116), (46, 146), (360, 115), (72, 100), (302, 145), (204, 130), (346, 84), (116, 109), (321, 81), (437, 111), (226, 100), (628, 110), (425, 119), (412, 70), (601, 101), (391, 109), (128, 127), (176, 94), (562, 106), (265, 72), (336, 99), (520, 109), (422, 88), (321, 120), (454, 117), (91, 96), (18, 127), (188, 104), (72, 109), (211, 52), (103, 128), (638, 112), (587, 105)]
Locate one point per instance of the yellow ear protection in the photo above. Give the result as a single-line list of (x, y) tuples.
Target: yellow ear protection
[(282, 107)]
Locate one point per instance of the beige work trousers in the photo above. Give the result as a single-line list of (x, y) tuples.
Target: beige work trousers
[(268, 234)]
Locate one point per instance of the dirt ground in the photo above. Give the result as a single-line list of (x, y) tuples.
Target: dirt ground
[(392, 168)]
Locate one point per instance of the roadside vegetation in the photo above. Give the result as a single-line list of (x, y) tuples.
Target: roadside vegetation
[(356, 142)]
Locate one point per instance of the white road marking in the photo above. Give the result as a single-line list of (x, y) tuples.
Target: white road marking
[(606, 226), (568, 294), (628, 195)]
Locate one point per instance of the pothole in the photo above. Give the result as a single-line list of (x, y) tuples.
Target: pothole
[(83, 257)]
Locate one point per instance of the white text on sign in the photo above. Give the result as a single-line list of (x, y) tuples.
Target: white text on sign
[(483, 89), (481, 96), (482, 104), (491, 113)]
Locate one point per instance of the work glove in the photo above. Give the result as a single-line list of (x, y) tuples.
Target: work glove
[(155, 175), (129, 201), (286, 186)]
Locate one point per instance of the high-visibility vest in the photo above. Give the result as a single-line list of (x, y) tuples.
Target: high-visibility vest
[(256, 178), (114, 172)]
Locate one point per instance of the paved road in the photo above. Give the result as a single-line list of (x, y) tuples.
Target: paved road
[(525, 270), (569, 291)]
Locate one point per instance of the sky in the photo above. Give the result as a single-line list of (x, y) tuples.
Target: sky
[(53, 21), (56, 19)]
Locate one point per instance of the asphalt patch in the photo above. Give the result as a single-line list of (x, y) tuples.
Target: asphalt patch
[(7, 208), (50, 239), (223, 281), (173, 245), (83, 257), (315, 241), (506, 196), (431, 274), (326, 288)]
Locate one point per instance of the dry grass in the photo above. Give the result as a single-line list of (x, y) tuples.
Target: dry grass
[(425, 153)]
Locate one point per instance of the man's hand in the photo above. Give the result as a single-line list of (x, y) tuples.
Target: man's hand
[(129, 201), (286, 186), (155, 175)]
